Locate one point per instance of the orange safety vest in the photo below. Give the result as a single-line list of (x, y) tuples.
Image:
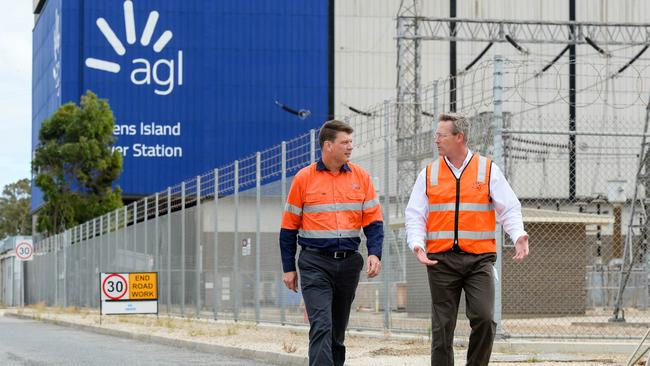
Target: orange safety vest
[(461, 215)]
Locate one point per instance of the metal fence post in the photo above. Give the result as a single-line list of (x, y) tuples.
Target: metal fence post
[(57, 241), (123, 264), (498, 159), (83, 264), (156, 243), (169, 249), (115, 241), (93, 267), (235, 282), (66, 235), (88, 255), (312, 146), (258, 252), (283, 180), (183, 248), (91, 275), (198, 247), (135, 236), (386, 248), (101, 246), (146, 228), (104, 253), (217, 283)]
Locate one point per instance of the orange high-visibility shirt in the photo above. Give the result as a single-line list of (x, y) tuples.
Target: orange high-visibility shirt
[(328, 211)]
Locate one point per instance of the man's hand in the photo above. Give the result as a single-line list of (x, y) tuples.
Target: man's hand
[(521, 248), (374, 266), (291, 280), (422, 257)]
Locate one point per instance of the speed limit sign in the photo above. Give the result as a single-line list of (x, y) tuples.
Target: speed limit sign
[(25, 250), (114, 286)]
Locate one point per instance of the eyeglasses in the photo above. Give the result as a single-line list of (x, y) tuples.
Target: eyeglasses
[(442, 135)]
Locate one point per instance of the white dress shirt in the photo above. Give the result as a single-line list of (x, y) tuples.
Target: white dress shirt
[(505, 203)]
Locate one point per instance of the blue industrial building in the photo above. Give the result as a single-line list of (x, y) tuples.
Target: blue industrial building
[(193, 84)]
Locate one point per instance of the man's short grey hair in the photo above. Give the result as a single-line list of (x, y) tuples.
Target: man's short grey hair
[(460, 124)]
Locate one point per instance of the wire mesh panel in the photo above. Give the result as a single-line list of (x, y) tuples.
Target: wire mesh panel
[(213, 239)]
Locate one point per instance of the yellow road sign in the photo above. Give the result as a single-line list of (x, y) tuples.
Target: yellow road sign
[(143, 286)]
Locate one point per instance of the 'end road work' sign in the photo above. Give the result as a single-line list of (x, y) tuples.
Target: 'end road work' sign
[(129, 293)]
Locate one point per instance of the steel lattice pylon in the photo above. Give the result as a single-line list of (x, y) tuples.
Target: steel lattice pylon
[(412, 29), (408, 97)]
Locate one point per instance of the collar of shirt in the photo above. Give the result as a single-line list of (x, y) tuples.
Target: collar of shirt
[(458, 171), (321, 166)]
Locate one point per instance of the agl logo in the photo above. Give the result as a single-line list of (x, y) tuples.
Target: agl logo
[(144, 72)]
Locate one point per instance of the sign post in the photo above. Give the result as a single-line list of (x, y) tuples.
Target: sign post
[(128, 293), (25, 252)]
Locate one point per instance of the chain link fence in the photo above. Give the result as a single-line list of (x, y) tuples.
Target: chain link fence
[(213, 239)]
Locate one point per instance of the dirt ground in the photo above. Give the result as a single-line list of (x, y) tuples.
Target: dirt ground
[(375, 349)]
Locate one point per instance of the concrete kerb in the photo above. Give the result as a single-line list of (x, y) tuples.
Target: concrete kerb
[(528, 345), (263, 356), (507, 346), (539, 346)]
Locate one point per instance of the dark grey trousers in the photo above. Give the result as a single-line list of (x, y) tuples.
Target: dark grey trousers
[(473, 274), (328, 287)]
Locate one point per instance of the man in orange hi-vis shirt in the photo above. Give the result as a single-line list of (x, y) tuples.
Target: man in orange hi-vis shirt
[(451, 228), (329, 203)]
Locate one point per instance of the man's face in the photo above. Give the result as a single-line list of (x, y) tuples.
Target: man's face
[(341, 149), (446, 141)]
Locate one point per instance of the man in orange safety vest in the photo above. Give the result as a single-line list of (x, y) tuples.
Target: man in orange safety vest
[(450, 225)]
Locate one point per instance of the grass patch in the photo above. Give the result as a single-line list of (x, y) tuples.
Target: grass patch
[(166, 322), (232, 330), (39, 307), (249, 325), (195, 332), (289, 347), (533, 359)]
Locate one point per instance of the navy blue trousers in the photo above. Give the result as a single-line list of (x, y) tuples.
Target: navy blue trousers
[(328, 287)]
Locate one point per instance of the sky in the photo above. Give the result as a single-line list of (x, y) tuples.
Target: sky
[(16, 22)]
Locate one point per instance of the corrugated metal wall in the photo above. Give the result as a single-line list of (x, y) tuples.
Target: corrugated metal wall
[(365, 42)]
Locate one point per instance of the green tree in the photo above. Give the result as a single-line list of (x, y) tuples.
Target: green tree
[(75, 166), (14, 209)]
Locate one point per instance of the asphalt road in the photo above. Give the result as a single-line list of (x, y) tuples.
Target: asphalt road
[(32, 343)]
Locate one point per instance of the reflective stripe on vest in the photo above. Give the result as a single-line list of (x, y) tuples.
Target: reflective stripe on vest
[(332, 207), (293, 209), (482, 169), (462, 207), (370, 204), (328, 234), (433, 176), (474, 235)]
